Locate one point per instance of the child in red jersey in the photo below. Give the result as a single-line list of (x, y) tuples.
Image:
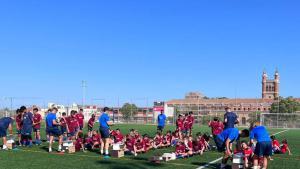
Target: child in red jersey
[(130, 147), (72, 124), (216, 126), (136, 134), (205, 141), (180, 125), (118, 136), (37, 119), (188, 142), (158, 140), (91, 123), (248, 154), (139, 144), (167, 139), (275, 145), (285, 147), (79, 143), (96, 140), (64, 126), (185, 130), (175, 138), (147, 143), (180, 150), (198, 148), (19, 125), (190, 122)]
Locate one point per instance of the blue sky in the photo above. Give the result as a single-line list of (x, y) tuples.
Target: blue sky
[(146, 49)]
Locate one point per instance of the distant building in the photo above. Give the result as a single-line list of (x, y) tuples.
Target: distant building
[(270, 87)]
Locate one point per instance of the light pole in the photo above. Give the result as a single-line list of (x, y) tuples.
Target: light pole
[(84, 86)]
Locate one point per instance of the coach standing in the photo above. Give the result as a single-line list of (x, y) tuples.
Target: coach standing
[(230, 118), (105, 122), (263, 148), (161, 121), (5, 123), (52, 127)]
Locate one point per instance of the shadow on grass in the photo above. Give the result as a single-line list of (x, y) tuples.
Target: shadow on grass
[(144, 164)]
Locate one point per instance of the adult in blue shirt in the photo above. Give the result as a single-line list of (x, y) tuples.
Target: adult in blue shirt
[(161, 121), (5, 123), (26, 130), (105, 122), (53, 130), (225, 139), (230, 118), (263, 148)]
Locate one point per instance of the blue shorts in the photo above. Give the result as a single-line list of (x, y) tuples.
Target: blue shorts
[(36, 129), (63, 130), (54, 131), (26, 130), (3, 132), (18, 131), (80, 127), (161, 128), (90, 128), (104, 132), (263, 149), (72, 134), (220, 144)]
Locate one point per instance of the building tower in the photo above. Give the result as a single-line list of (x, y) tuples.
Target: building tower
[(270, 87)]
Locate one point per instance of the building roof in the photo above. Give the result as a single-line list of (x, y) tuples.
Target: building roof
[(221, 101)]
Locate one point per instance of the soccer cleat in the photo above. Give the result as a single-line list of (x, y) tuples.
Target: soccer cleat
[(50, 150)]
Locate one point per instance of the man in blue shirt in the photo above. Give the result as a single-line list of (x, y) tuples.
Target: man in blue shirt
[(26, 130), (53, 130), (263, 148), (161, 121), (225, 139), (104, 122), (230, 118), (5, 123)]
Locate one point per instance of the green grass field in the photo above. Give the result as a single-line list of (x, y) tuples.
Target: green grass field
[(38, 158)]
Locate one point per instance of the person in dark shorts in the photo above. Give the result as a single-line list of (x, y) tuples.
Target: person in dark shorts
[(161, 121), (230, 118), (224, 142), (5, 123), (27, 124), (105, 122), (54, 131), (263, 149)]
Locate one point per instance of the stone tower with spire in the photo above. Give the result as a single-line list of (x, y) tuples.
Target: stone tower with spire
[(270, 87)]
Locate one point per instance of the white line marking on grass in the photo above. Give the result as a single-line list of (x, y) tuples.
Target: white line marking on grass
[(219, 159)]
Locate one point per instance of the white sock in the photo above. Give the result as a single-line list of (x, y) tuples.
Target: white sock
[(4, 146), (106, 152), (59, 147), (255, 167), (101, 151)]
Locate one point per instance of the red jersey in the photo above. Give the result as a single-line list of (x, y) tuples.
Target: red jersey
[(78, 144), (96, 138), (180, 149), (63, 122), (284, 148), (179, 124), (248, 152), (91, 122), (72, 124), (197, 146), (88, 140), (186, 123), (137, 136), (158, 140), (190, 122), (139, 145), (19, 121), (190, 145), (275, 143), (80, 118), (167, 138), (130, 144), (37, 118), (147, 143), (118, 137), (216, 127)]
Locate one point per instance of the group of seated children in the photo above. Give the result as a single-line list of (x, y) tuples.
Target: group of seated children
[(280, 149), (248, 151), (188, 146)]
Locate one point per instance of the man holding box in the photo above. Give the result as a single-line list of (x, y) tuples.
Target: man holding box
[(5, 123)]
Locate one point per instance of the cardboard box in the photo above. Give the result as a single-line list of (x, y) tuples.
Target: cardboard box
[(71, 149), (10, 146), (117, 153)]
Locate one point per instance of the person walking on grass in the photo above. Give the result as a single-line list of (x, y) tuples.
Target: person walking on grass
[(161, 121), (5, 123), (105, 122)]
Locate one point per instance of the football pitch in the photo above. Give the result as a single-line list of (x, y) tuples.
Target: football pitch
[(37, 157)]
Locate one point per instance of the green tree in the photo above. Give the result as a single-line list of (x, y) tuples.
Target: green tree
[(128, 111), (285, 105)]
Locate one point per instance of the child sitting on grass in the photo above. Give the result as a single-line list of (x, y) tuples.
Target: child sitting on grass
[(158, 140), (248, 154), (167, 139), (188, 142), (180, 150), (285, 147), (139, 144), (275, 145), (96, 140), (79, 143), (130, 147), (147, 143), (175, 138)]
